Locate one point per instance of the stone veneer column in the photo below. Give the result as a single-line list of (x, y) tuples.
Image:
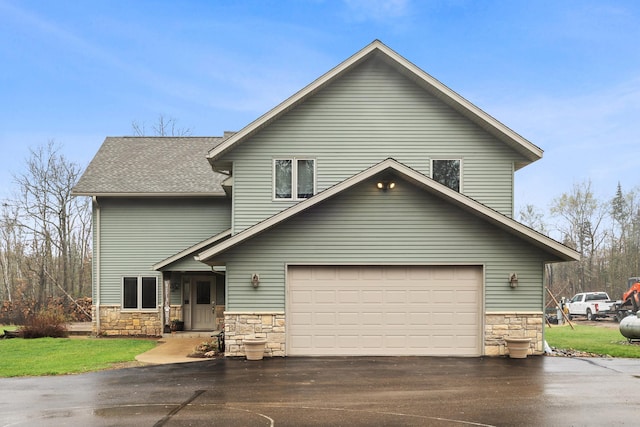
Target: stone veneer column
[(501, 325), (241, 325)]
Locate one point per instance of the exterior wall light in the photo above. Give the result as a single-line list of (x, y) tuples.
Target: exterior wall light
[(255, 280), (513, 280)]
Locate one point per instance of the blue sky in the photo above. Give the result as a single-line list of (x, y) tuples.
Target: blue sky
[(564, 74)]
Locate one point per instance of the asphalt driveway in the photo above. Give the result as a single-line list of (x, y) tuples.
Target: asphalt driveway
[(398, 391)]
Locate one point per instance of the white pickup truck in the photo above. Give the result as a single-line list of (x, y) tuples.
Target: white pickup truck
[(594, 305)]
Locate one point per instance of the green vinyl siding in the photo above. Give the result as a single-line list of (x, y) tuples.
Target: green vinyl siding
[(401, 226), (370, 114), (138, 233)]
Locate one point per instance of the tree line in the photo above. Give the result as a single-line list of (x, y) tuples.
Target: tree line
[(606, 233), (45, 235)]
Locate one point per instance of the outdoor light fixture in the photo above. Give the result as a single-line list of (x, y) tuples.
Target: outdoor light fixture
[(386, 185), (513, 280), (255, 280)]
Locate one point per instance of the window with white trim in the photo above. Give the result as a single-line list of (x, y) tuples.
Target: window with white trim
[(139, 293), (447, 172), (294, 178)]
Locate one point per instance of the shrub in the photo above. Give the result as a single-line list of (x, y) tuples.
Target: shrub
[(49, 323)]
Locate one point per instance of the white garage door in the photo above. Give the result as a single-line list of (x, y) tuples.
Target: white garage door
[(384, 310)]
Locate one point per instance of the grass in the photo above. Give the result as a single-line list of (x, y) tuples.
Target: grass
[(59, 356), (592, 339)]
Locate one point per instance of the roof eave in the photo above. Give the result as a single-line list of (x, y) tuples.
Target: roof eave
[(149, 195)]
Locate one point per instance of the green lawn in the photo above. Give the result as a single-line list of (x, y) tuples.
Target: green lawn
[(58, 356), (592, 339)]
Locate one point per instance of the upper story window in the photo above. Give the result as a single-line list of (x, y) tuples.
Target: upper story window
[(294, 178), (139, 293), (447, 172)]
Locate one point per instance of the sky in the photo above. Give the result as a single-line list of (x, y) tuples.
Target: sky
[(563, 74)]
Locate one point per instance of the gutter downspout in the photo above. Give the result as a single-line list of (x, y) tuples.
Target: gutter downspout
[(97, 251)]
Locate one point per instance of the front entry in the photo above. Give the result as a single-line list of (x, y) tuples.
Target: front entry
[(203, 293)]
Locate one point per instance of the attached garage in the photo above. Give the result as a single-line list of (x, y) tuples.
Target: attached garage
[(384, 310)]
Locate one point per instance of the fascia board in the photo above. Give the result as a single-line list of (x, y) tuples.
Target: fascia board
[(147, 195)]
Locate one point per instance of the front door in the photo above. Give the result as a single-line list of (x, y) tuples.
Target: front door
[(203, 296)]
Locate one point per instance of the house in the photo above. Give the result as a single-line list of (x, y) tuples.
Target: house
[(371, 213)]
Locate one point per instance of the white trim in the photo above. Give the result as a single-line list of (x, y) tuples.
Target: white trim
[(422, 181)]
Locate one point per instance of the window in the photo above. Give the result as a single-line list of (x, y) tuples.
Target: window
[(294, 179), (447, 172), (139, 293)]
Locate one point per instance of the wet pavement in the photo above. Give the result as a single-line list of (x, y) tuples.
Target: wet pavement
[(398, 391)]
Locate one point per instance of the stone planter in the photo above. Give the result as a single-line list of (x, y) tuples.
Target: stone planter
[(518, 347), (254, 348)]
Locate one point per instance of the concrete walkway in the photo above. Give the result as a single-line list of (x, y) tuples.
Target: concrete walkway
[(175, 349)]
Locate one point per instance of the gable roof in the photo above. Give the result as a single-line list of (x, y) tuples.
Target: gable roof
[(151, 166), (528, 150), (476, 208)]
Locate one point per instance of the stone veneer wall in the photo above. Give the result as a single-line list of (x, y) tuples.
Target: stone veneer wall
[(512, 325), (241, 325), (114, 322)]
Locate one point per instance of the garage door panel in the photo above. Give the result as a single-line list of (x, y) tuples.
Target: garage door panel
[(395, 297), (346, 297), (421, 318), (443, 297), (364, 310), (368, 296), (302, 319), (372, 318), (398, 319), (417, 297), (326, 319), (349, 318), (299, 297), (324, 297)]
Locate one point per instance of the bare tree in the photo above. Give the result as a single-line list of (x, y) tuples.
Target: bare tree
[(164, 126), (582, 227), (51, 218)]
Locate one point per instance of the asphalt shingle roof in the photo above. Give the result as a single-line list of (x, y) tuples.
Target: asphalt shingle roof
[(152, 165)]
